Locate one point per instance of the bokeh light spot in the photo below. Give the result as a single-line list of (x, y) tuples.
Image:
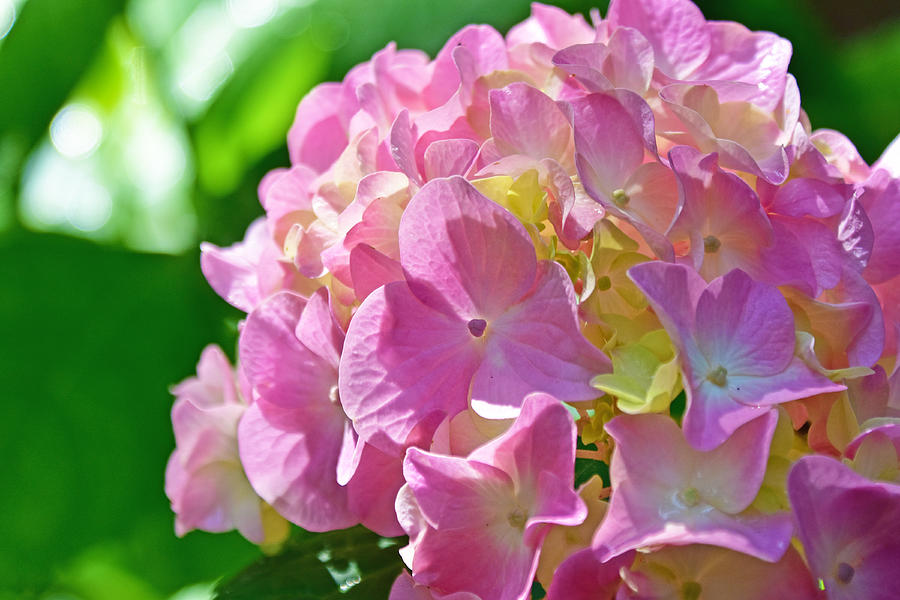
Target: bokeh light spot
[(76, 131)]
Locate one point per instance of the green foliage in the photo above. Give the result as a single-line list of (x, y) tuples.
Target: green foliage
[(351, 563), (585, 468)]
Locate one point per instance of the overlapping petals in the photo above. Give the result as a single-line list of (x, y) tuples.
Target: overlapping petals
[(475, 264), (737, 340), (669, 493), (485, 516), (414, 348)]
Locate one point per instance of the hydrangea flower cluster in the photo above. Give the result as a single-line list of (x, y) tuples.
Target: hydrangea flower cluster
[(482, 266)]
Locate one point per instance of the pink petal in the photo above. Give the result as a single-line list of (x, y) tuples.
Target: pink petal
[(855, 233), (405, 368), (480, 563), (733, 473), (890, 431), (403, 147), (455, 493), (405, 588), (673, 291), (630, 62), (744, 325), (713, 414), (290, 458), (803, 196), (536, 345), (280, 368), (552, 26), (796, 381), (370, 269), (372, 491), (738, 54), (285, 194), (444, 158), (318, 135), (584, 61), (246, 272), (608, 144), (515, 110), (522, 453), (675, 28), (881, 199), (488, 51), (464, 253), (845, 519), (583, 576)]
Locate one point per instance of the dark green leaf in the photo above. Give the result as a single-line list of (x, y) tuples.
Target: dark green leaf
[(351, 563), (676, 409), (585, 468)]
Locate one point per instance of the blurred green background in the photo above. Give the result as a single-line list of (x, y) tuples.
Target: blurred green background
[(132, 130)]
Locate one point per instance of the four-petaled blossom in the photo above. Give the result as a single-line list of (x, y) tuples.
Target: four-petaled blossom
[(665, 492), (736, 338), (482, 519), (477, 312)]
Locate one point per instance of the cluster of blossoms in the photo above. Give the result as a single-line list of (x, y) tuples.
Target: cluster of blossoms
[(482, 266)]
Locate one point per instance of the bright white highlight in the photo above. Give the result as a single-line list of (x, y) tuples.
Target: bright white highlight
[(155, 159), (202, 44), (252, 13), (7, 17), (58, 192), (76, 131)]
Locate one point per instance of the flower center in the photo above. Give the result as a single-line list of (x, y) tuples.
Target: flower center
[(711, 244), (718, 376), (690, 590), (604, 283), (845, 572), (477, 327), (689, 496), (620, 198), (517, 518)]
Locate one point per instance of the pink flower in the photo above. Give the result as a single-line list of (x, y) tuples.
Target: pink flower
[(700, 571), (736, 339), (245, 273), (725, 227), (204, 478), (850, 529), (293, 436), (689, 48), (476, 311), (583, 576), (483, 518), (666, 492)]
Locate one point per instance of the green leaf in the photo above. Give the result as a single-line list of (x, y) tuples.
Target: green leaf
[(676, 409), (585, 468), (351, 563)]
